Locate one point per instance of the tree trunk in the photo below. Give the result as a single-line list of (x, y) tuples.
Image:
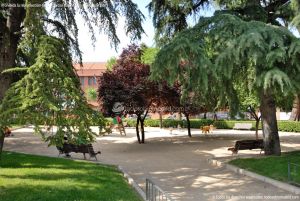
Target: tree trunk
[(270, 129), (2, 136), (137, 129), (160, 120), (188, 124), (142, 130), (204, 116), (256, 127), (10, 28), (257, 120), (215, 117), (295, 115)]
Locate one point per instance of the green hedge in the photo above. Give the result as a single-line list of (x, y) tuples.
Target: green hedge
[(288, 126)]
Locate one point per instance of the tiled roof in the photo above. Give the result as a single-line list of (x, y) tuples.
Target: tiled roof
[(90, 68)]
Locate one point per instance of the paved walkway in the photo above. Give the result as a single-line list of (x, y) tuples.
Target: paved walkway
[(176, 163)]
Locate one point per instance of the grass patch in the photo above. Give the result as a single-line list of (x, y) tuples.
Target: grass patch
[(26, 177), (275, 167)]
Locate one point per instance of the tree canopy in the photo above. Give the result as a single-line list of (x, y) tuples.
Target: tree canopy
[(50, 95), (225, 46), (128, 83), (171, 17)]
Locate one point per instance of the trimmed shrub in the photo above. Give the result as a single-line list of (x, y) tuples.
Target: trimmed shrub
[(289, 126)]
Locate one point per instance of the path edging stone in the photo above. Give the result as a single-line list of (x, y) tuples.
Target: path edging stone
[(131, 181), (276, 183)]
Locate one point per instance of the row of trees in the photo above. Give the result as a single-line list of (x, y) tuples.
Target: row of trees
[(210, 58)]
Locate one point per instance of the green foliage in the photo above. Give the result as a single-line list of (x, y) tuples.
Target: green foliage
[(28, 177), (91, 94), (232, 44), (104, 15), (50, 94), (149, 54), (287, 126), (110, 63), (170, 17), (296, 8), (167, 123)]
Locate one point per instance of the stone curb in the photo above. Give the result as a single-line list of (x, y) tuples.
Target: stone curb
[(279, 184), (132, 183)]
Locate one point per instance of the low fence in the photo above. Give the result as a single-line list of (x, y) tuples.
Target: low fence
[(155, 193), (294, 173)]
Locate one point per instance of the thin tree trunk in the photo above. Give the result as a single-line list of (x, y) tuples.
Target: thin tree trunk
[(143, 130), (188, 124), (270, 129), (137, 129), (2, 136), (204, 116), (160, 120), (256, 127), (295, 115), (257, 120), (215, 117), (142, 124)]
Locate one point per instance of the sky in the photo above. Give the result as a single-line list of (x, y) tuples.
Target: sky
[(103, 50)]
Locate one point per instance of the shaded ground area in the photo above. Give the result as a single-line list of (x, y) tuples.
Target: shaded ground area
[(176, 163)]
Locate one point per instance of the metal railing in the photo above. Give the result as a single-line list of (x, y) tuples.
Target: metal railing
[(155, 193), (293, 171)]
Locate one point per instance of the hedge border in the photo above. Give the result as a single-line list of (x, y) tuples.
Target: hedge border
[(287, 126)]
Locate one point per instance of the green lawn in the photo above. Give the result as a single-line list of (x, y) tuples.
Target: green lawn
[(31, 178), (275, 167)]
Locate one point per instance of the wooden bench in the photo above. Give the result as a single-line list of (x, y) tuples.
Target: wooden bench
[(242, 126), (84, 149), (247, 145)]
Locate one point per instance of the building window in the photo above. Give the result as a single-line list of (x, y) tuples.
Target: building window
[(82, 81), (90, 81)]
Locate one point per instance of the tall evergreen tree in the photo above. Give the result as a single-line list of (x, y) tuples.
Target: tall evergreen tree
[(170, 17), (222, 46), (50, 95)]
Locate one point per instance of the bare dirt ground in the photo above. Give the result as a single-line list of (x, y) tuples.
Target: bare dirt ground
[(175, 162)]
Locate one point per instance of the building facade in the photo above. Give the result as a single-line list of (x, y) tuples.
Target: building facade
[(88, 75)]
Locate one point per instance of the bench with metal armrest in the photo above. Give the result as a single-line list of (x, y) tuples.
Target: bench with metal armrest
[(83, 148)]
